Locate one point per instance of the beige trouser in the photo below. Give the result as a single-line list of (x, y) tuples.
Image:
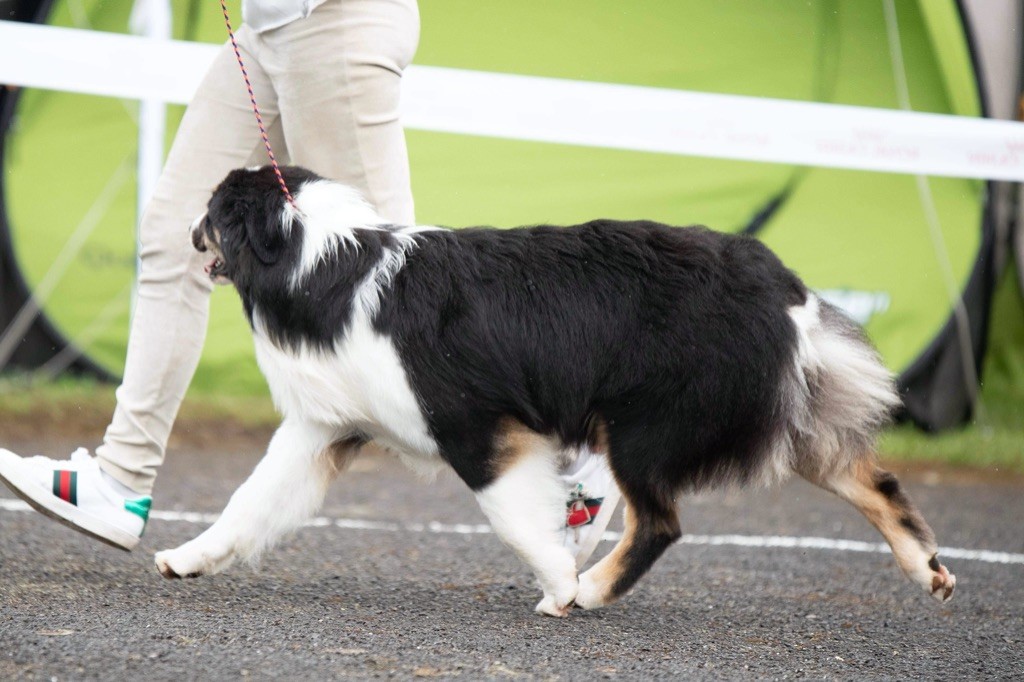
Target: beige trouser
[(328, 89)]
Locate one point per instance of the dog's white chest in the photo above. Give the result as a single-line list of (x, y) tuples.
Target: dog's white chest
[(361, 384)]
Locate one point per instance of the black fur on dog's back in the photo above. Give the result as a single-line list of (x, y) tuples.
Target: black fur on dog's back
[(676, 340)]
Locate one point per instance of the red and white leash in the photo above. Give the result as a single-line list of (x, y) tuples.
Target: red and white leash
[(256, 109)]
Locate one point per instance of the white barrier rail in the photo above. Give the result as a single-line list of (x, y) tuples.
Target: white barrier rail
[(561, 111)]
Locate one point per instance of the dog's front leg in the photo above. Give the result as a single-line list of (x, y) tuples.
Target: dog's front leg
[(286, 489)]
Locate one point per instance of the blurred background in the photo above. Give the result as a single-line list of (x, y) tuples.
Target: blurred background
[(928, 265)]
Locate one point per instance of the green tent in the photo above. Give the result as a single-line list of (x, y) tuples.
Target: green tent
[(863, 239)]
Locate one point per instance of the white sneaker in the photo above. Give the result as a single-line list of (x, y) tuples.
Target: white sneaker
[(591, 497), (75, 493)]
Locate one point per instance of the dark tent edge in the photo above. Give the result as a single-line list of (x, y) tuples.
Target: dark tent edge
[(43, 340), (934, 388)]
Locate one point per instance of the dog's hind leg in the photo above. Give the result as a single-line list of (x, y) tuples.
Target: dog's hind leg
[(879, 497), (286, 489), (651, 527), (525, 503)]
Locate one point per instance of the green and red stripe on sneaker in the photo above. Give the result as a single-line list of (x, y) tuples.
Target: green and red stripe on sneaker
[(65, 485)]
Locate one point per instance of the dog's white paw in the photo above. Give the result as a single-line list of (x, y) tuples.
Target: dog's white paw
[(591, 594), (167, 569), (943, 584), (551, 606), (192, 560), (558, 598)]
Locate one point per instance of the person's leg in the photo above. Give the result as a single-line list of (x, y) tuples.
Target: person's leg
[(218, 133), (337, 75), (107, 497)]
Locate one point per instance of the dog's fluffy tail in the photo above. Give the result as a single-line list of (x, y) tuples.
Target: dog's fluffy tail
[(840, 394)]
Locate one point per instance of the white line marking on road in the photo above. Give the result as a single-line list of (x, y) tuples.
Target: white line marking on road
[(435, 527)]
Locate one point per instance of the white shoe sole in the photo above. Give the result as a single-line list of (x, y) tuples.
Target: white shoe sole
[(45, 502)]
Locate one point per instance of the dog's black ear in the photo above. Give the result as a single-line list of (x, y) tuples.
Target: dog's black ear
[(265, 231)]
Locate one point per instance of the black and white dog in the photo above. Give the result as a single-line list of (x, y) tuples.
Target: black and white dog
[(690, 358)]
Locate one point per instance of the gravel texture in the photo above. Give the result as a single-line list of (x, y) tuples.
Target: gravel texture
[(335, 603)]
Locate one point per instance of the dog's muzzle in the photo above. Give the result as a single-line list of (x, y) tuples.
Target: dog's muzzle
[(215, 268)]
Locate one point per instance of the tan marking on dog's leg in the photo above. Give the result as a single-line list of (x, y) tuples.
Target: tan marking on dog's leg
[(596, 583), (597, 436), (341, 453), (878, 496), (514, 440), (647, 534)]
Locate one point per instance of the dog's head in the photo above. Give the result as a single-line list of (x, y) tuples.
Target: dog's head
[(249, 226)]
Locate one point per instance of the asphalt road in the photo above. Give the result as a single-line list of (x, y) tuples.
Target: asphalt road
[(387, 601)]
